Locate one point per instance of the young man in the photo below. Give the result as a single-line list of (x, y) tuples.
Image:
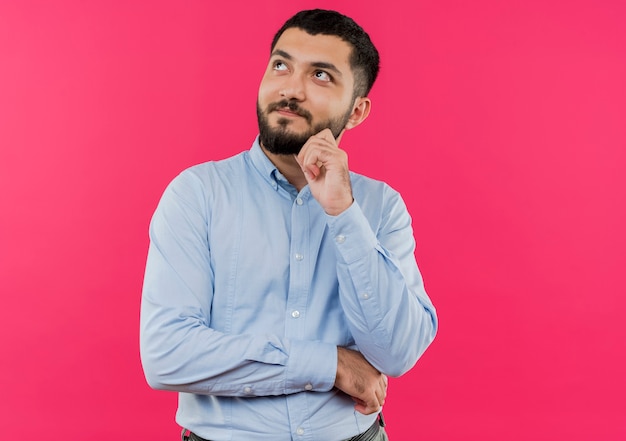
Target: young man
[(281, 289)]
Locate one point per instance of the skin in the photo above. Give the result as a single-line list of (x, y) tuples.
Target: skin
[(314, 71)]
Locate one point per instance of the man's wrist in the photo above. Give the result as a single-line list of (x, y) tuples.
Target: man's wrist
[(336, 211)]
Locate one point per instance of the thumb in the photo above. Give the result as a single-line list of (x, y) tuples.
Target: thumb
[(326, 134), (307, 173)]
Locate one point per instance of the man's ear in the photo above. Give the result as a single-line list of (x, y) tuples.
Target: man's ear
[(360, 111)]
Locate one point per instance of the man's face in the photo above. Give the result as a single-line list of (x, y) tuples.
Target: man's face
[(307, 87)]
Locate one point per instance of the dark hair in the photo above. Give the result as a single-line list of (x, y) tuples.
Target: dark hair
[(364, 59)]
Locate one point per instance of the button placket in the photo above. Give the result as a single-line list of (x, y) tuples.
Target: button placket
[(306, 219), (299, 267)]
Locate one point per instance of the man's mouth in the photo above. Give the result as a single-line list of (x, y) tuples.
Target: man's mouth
[(289, 109), (286, 111)]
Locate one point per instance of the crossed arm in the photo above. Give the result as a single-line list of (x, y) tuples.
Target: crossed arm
[(181, 352)]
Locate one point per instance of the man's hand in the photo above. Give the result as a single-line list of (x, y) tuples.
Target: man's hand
[(325, 168), (359, 379)]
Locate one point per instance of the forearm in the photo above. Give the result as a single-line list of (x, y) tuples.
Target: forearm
[(381, 291), (179, 352), (390, 324), (180, 347)]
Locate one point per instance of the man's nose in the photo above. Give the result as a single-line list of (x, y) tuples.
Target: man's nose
[(293, 88)]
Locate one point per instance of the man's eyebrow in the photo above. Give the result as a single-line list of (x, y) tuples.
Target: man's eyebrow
[(282, 54), (327, 66), (318, 64)]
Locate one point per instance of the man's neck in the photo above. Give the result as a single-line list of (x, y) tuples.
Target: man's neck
[(288, 167)]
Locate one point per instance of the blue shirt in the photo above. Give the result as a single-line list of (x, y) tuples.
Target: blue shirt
[(250, 287)]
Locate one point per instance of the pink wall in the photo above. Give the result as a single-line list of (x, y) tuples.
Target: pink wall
[(503, 124)]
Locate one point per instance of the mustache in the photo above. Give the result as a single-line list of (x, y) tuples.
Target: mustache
[(292, 106)]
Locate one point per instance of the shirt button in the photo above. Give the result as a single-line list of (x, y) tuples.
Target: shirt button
[(247, 389), (340, 239), (295, 314), (308, 387), (299, 256), (300, 431), (366, 296), (299, 201)]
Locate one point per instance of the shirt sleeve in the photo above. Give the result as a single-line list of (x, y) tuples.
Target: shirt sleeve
[(382, 293), (179, 351)]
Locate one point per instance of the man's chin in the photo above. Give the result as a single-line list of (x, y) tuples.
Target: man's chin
[(283, 136), (290, 127), (283, 143)]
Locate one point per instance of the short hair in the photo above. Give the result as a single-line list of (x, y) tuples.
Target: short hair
[(364, 59)]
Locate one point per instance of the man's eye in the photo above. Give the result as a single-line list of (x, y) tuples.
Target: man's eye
[(279, 65), (322, 76)]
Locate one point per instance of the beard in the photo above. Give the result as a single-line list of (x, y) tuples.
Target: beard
[(281, 140)]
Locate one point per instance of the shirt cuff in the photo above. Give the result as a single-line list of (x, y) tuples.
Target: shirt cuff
[(352, 233), (312, 366)]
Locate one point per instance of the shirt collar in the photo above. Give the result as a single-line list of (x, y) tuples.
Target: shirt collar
[(261, 162), (265, 167)]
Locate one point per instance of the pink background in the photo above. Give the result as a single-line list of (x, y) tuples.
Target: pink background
[(503, 123)]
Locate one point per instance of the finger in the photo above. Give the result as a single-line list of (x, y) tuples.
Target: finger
[(307, 174), (312, 163), (367, 409), (381, 394), (309, 157), (327, 135), (360, 405), (312, 169), (338, 139), (384, 381), (381, 391), (367, 405), (319, 153)]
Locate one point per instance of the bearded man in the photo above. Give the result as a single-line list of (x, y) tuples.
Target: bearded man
[(281, 289)]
